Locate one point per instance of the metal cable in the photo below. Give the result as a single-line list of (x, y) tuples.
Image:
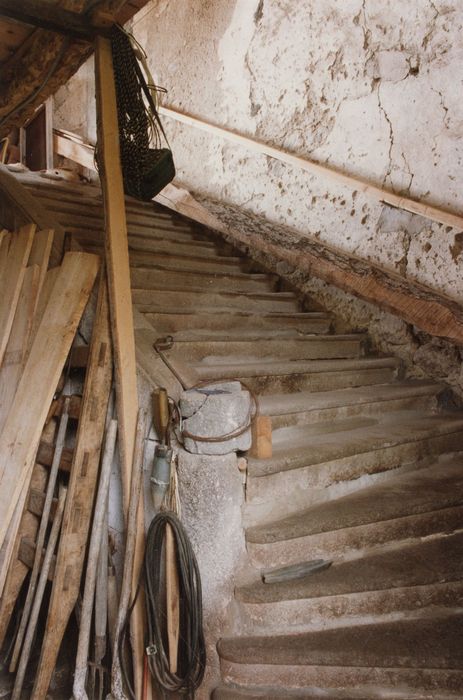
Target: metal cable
[(192, 649)]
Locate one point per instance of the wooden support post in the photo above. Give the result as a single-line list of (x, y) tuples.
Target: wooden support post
[(261, 430), (118, 267), (81, 489)]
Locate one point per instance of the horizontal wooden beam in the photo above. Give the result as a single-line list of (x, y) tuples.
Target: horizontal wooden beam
[(426, 308), (354, 183), (44, 15)]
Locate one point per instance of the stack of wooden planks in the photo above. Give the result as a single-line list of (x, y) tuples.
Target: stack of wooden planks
[(50, 439)]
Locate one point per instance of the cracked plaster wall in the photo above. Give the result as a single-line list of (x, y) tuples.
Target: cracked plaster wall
[(369, 86)]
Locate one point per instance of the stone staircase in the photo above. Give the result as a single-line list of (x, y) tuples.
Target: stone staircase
[(367, 471)]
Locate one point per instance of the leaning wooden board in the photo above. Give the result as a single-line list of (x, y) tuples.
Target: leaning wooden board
[(81, 489), (12, 279), (21, 433)]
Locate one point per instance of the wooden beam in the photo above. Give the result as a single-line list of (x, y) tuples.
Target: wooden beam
[(432, 311), (354, 183), (118, 267), (40, 377), (30, 209), (45, 15)]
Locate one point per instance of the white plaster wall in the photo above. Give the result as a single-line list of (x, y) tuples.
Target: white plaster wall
[(372, 87)]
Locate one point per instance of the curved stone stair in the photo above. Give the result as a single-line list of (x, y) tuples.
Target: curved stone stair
[(367, 472)]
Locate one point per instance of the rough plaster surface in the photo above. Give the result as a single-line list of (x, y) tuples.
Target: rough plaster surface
[(370, 86), (211, 494)]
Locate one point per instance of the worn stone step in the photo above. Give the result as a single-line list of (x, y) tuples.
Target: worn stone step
[(305, 445), (235, 692), (209, 320), (149, 300), (423, 654), (316, 375), (327, 612), (299, 471), (307, 347), (147, 277), (198, 249), (410, 505), (311, 407), (423, 562), (92, 233), (180, 262)]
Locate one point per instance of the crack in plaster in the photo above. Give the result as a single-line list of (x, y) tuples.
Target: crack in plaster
[(391, 138)]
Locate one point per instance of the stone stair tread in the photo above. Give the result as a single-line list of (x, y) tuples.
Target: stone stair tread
[(234, 692), (278, 404), (277, 367), (430, 561), (412, 493), (186, 274), (426, 643), (304, 445)]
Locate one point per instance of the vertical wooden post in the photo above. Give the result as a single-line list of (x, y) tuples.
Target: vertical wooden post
[(117, 261)]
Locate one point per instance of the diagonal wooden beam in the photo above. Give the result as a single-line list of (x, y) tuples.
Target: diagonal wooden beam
[(45, 15)]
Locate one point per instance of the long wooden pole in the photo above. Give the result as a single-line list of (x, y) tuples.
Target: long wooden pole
[(118, 267), (354, 183)]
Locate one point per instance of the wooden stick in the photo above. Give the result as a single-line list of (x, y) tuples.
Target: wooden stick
[(81, 489), (80, 674), (354, 183), (117, 685), (42, 371), (39, 595), (41, 535), (18, 570), (117, 259), (172, 599)]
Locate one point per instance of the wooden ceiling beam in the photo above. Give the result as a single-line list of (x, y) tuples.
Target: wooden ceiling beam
[(43, 15)]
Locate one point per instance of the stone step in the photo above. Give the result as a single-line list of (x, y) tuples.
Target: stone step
[(300, 446), (210, 320), (235, 692), (307, 347), (193, 263), (423, 654), (312, 407), (148, 277), (150, 300), (427, 562), (326, 612), (304, 465), (196, 249), (92, 234), (409, 505), (316, 375)]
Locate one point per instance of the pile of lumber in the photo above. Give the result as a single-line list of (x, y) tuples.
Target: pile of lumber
[(56, 428)]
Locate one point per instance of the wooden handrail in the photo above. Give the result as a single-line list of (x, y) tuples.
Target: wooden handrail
[(377, 193)]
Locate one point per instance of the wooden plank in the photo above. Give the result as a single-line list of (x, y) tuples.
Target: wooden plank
[(10, 371), (426, 308), (11, 282), (32, 210), (17, 572), (40, 255), (82, 482), (77, 152), (261, 430), (45, 15), (21, 433), (172, 599), (354, 183), (117, 260)]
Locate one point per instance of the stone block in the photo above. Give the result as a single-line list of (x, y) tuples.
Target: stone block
[(213, 411)]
